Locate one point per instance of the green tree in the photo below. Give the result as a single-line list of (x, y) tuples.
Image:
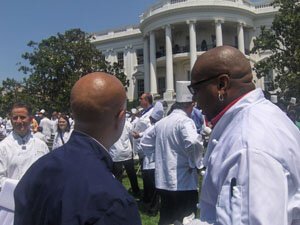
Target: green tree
[(57, 63), (11, 92), (282, 41)]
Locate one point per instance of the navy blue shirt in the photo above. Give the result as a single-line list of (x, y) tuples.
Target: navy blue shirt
[(73, 185)]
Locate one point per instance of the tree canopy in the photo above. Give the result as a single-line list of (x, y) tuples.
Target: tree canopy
[(55, 64), (282, 42)]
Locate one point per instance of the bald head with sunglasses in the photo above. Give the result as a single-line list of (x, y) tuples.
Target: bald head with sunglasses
[(220, 76)]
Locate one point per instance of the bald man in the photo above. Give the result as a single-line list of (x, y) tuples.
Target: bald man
[(74, 184), (253, 155)]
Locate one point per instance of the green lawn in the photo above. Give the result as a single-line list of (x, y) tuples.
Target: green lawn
[(146, 220)]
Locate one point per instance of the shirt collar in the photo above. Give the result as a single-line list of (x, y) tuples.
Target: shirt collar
[(218, 117), (22, 140), (147, 110)]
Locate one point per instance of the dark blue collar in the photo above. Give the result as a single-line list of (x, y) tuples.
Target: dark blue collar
[(146, 110)]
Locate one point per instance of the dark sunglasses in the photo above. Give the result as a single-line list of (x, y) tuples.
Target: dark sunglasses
[(192, 87)]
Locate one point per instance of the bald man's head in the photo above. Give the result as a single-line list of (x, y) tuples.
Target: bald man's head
[(96, 101), (219, 76), (221, 60)]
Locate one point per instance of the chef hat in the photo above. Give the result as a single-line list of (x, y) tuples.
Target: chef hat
[(274, 99), (182, 92), (133, 110), (139, 109), (293, 100), (158, 111)]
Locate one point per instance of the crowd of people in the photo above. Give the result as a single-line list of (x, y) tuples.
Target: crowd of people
[(250, 165)]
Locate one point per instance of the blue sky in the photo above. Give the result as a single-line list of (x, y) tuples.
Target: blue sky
[(25, 20)]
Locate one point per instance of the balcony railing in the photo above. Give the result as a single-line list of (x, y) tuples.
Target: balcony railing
[(177, 49), (165, 5)]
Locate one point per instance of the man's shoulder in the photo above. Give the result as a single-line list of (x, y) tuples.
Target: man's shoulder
[(7, 140), (39, 141)]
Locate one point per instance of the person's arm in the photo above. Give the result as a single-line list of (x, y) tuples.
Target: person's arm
[(119, 213), (3, 164), (192, 143), (148, 141)]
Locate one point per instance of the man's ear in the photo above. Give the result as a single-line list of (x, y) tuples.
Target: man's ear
[(120, 117), (122, 114), (223, 82)]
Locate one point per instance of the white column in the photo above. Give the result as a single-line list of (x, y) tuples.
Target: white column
[(240, 34), (128, 70), (193, 44), (153, 80), (146, 65), (219, 35), (168, 95)]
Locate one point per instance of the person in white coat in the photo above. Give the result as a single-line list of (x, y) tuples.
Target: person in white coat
[(253, 155), (17, 153), (178, 154), (63, 132), (46, 124), (122, 156), (142, 123), (150, 198)]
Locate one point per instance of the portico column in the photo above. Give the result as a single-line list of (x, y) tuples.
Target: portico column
[(128, 69), (168, 95), (219, 36), (146, 65), (193, 44), (240, 33), (153, 80)]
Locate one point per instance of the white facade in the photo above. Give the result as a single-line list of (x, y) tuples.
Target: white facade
[(172, 33)]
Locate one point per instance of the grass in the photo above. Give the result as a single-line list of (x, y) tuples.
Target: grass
[(146, 220)]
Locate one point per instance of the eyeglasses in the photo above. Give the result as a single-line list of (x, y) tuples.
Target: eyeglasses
[(192, 87)]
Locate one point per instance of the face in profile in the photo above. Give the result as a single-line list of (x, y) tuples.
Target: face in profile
[(143, 101), (20, 120), (62, 124)]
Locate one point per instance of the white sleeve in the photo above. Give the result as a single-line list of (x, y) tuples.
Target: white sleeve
[(148, 141), (192, 144), (3, 165)]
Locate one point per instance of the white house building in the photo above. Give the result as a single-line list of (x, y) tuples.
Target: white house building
[(163, 47)]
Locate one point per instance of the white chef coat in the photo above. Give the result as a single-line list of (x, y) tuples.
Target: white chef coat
[(57, 142), (252, 166), (140, 126), (148, 147), (47, 126), (17, 154), (178, 152), (122, 149)]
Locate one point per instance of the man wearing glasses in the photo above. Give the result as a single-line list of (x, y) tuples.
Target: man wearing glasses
[(253, 155)]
